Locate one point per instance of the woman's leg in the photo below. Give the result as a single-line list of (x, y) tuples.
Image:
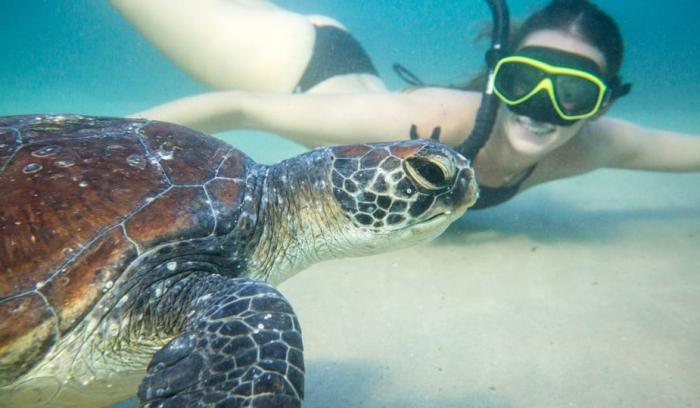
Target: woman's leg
[(237, 44), (249, 45)]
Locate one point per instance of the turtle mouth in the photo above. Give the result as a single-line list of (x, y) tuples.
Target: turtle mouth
[(438, 218), (426, 229)]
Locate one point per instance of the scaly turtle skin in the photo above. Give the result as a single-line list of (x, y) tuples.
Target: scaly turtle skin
[(132, 248)]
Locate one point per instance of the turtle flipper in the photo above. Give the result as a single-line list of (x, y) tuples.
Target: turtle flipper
[(242, 348)]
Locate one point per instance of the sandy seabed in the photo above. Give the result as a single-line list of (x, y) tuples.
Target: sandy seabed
[(580, 293)]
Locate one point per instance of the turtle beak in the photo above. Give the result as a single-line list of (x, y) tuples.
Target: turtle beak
[(462, 194), (465, 189)]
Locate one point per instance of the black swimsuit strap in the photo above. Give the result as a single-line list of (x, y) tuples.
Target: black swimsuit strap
[(526, 175), (491, 196)]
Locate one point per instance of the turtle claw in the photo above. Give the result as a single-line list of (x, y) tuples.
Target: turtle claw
[(435, 135)]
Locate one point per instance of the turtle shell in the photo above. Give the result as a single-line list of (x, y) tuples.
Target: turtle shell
[(81, 198)]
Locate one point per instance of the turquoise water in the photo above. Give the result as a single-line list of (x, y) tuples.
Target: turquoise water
[(81, 56), (579, 293)]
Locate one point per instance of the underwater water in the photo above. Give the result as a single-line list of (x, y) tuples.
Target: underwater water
[(584, 292)]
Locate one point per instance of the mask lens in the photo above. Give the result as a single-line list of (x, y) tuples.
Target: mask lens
[(515, 80), (576, 95)]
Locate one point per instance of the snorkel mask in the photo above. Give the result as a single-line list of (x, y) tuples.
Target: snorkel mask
[(553, 86)]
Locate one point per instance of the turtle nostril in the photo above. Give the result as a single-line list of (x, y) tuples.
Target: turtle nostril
[(427, 173)]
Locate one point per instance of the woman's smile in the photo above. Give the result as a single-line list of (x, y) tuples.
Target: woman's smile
[(530, 137), (539, 129)]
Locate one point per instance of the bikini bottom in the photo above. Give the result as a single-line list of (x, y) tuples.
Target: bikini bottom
[(336, 52)]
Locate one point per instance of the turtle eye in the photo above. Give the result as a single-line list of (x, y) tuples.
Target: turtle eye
[(427, 173)]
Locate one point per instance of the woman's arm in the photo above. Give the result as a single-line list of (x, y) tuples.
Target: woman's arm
[(321, 119), (629, 146)]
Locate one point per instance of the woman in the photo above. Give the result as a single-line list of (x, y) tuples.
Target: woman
[(306, 78)]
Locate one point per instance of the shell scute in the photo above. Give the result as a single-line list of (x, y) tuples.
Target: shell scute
[(187, 156), (180, 212), (227, 198), (25, 336), (51, 213), (76, 289), (235, 165)]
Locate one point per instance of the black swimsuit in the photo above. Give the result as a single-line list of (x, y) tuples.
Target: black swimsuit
[(336, 52), (491, 196)]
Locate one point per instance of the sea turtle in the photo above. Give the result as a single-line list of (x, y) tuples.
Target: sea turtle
[(131, 247)]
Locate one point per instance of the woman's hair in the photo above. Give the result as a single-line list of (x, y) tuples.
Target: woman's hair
[(582, 19), (578, 17)]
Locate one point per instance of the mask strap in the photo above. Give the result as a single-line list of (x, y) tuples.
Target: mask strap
[(618, 89)]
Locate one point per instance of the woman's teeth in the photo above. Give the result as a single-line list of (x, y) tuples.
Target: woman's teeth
[(538, 128)]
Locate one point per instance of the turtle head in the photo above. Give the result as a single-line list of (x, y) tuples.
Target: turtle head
[(357, 200), (398, 194)]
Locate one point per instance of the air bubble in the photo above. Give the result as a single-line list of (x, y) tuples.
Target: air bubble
[(115, 147), (136, 160), (46, 151), (165, 151), (171, 265), (32, 168), (83, 184), (64, 163)]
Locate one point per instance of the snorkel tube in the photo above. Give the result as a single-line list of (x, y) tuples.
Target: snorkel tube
[(486, 115)]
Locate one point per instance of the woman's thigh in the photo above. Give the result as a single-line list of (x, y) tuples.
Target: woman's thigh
[(240, 44)]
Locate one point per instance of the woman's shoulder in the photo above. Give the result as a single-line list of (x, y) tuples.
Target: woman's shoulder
[(609, 139), (594, 146), (585, 152)]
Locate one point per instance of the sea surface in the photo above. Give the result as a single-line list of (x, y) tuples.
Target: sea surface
[(584, 292)]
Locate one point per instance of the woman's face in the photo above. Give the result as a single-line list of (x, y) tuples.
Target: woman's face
[(532, 138)]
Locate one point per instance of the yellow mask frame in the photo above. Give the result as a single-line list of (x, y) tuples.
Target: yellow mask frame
[(547, 84)]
